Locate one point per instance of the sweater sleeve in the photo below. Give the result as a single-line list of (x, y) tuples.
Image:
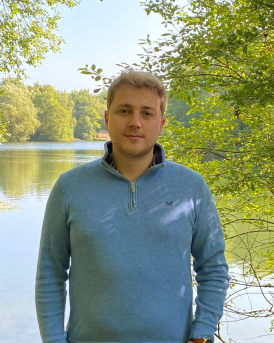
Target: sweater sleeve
[(210, 266), (52, 269)]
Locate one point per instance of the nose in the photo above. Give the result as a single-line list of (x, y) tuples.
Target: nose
[(135, 120)]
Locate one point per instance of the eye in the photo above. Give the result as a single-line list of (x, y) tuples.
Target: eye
[(124, 111), (148, 114)]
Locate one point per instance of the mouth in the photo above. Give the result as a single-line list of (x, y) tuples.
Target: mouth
[(134, 137)]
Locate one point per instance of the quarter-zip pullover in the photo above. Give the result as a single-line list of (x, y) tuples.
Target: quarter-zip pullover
[(126, 250)]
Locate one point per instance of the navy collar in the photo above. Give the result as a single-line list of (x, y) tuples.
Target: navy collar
[(158, 152)]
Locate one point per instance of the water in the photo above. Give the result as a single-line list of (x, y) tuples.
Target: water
[(94, 146), (27, 174)]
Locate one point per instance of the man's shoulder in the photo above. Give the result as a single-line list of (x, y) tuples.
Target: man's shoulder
[(84, 169), (180, 170)]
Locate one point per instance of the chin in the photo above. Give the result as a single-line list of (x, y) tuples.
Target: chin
[(136, 152), (133, 149)]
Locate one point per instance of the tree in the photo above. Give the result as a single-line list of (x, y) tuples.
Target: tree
[(65, 100), (86, 111), (84, 129), (223, 49), (57, 123), (18, 111), (3, 130), (27, 32), (102, 97), (3, 126)]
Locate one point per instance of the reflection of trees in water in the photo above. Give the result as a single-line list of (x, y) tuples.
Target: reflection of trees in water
[(250, 294), (243, 243), (18, 170), (6, 206), (34, 172)]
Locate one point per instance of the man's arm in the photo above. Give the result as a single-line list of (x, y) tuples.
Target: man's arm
[(210, 265), (53, 264)]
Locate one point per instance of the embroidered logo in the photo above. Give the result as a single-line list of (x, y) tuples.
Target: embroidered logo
[(169, 203)]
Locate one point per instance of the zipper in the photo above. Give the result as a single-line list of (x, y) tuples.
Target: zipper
[(132, 183), (132, 196), (132, 186)]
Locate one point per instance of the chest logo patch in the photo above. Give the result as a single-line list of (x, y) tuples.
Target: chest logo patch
[(169, 203)]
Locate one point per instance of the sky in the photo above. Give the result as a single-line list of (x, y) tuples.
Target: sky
[(104, 33)]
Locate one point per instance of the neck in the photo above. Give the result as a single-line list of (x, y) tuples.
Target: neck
[(131, 167)]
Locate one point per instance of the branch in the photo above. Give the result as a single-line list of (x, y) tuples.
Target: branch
[(229, 68), (251, 219), (211, 150), (218, 336), (216, 75)]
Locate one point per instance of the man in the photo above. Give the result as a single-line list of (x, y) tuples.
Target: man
[(125, 227)]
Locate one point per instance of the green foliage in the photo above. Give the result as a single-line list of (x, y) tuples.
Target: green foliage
[(65, 100), (216, 45), (269, 255), (3, 126), (44, 113), (3, 130), (179, 110), (88, 113), (57, 123), (27, 32), (96, 75), (18, 111), (84, 129)]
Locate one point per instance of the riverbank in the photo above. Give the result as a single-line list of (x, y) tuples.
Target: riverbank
[(7, 206), (100, 136)]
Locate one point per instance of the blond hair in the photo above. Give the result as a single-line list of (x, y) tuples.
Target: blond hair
[(138, 79)]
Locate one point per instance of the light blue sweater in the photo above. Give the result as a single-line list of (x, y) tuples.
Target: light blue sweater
[(127, 249)]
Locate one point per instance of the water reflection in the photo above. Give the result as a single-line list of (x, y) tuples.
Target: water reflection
[(27, 172), (243, 249), (97, 145)]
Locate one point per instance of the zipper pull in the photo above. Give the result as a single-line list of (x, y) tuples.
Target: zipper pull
[(132, 187)]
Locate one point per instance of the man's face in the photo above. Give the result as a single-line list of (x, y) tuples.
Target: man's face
[(134, 121)]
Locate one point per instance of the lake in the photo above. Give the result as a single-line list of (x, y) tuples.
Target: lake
[(27, 174)]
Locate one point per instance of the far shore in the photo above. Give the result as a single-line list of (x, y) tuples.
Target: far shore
[(100, 136), (98, 139)]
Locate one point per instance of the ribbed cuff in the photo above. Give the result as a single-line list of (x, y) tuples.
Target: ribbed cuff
[(201, 330)]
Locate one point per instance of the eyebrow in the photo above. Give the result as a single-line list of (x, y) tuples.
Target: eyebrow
[(130, 106)]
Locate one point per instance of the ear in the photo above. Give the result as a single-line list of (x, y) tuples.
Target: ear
[(163, 120), (106, 120)]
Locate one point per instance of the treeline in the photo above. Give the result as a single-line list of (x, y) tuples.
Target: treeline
[(42, 113)]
